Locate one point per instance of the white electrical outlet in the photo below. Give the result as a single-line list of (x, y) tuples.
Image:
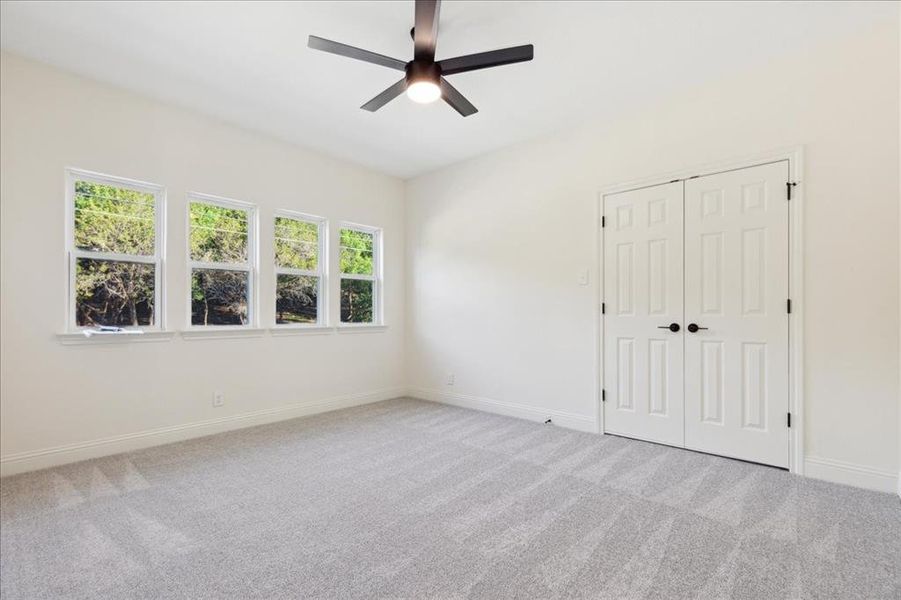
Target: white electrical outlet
[(450, 379), (218, 399), (582, 277)]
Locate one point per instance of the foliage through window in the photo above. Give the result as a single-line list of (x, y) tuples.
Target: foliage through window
[(221, 262), (114, 250), (115, 247), (360, 272), (299, 270)]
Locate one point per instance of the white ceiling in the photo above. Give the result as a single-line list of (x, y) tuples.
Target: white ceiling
[(247, 62)]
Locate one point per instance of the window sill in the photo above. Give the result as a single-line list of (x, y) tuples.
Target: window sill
[(361, 328), (282, 330), (220, 333), (129, 337), (80, 339)]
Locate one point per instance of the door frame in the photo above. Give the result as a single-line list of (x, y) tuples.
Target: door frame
[(795, 157)]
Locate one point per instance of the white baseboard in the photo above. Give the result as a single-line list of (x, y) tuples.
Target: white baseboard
[(862, 476), (510, 409), (22, 462), (818, 468)]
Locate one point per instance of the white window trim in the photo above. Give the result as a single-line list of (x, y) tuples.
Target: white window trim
[(378, 322), (251, 267), (322, 316), (157, 260)]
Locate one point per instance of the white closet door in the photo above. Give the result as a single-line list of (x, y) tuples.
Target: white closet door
[(736, 288), (643, 297)]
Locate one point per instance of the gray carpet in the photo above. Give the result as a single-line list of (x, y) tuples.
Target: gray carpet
[(408, 499)]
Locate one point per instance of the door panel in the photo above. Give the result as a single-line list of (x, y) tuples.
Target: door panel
[(643, 291), (736, 285)]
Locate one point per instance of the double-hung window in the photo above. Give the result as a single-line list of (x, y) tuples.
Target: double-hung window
[(115, 246), (300, 269), (361, 274), (222, 261)]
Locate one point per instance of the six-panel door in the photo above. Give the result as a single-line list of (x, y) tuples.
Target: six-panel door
[(643, 291), (736, 288), (719, 384)]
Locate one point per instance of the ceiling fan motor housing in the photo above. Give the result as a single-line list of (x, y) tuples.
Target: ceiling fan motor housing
[(422, 71)]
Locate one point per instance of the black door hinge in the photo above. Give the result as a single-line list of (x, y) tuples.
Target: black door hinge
[(788, 187), (603, 308), (788, 305), (789, 419), (603, 395), (603, 221)]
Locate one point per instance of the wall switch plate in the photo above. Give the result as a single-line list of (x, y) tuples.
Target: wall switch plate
[(582, 277), (450, 379), (218, 399)]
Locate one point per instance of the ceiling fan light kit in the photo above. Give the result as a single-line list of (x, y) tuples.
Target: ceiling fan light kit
[(424, 78), (423, 81)]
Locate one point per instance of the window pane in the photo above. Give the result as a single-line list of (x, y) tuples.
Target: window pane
[(218, 297), (356, 252), (113, 219), (296, 244), (356, 301), (116, 294), (218, 234), (296, 299)]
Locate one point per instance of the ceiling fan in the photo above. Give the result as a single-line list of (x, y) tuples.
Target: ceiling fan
[(424, 79)]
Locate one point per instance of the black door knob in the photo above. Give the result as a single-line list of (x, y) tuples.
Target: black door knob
[(674, 327), (692, 327)]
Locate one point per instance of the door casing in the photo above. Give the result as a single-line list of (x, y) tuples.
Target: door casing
[(795, 156)]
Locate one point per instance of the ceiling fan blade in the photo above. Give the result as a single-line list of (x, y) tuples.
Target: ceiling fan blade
[(485, 60), (318, 43), (425, 29), (387, 96), (456, 99)]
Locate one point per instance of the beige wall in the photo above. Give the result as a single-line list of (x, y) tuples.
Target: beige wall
[(495, 245), (72, 396)]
